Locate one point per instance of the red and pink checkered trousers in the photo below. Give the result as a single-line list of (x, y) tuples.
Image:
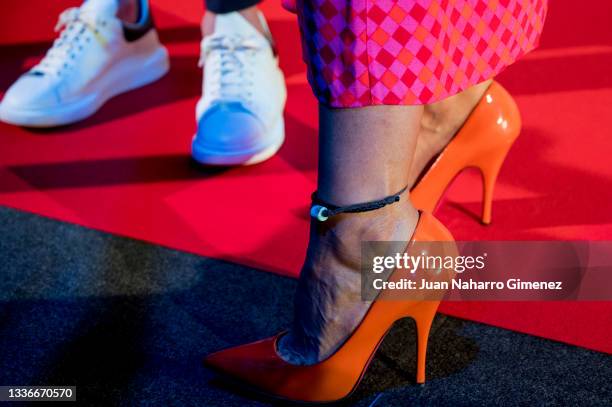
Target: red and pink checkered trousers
[(411, 52)]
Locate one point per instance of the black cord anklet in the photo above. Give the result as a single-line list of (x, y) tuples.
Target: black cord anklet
[(322, 210)]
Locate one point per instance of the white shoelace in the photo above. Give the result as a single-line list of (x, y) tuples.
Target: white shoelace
[(229, 60), (76, 27)]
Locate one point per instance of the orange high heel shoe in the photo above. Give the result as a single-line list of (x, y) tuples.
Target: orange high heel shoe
[(483, 142), (259, 366)]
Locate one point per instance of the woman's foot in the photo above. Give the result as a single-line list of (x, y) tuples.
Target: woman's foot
[(440, 122), (328, 305)]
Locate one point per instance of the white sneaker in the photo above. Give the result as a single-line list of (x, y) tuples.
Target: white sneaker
[(95, 58), (240, 114)]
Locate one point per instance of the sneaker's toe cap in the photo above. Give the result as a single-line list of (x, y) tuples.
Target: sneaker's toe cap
[(31, 92), (227, 128)]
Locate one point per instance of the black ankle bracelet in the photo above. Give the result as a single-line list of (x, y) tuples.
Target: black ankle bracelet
[(322, 210)]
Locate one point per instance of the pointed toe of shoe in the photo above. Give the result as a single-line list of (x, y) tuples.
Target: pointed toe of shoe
[(258, 366), (215, 361), (253, 363), (231, 362)]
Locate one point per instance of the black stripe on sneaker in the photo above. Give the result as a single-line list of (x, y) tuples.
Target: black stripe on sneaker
[(133, 32)]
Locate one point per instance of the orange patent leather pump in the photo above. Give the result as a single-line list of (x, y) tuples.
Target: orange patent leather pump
[(259, 366), (482, 142)]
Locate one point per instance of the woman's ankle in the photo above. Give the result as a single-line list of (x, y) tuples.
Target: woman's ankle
[(328, 302), (342, 235)]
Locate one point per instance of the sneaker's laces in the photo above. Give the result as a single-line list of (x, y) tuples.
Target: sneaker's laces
[(232, 67), (73, 24)]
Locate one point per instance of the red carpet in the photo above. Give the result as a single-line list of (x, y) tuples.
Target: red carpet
[(127, 171)]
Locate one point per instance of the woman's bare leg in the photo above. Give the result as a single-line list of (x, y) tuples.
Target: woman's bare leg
[(440, 122), (365, 154)]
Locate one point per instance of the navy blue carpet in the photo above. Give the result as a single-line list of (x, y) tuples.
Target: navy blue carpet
[(128, 323)]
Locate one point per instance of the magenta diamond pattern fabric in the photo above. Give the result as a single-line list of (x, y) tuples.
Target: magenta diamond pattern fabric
[(410, 52)]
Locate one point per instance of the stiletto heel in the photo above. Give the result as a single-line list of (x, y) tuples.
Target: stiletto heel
[(490, 169), (483, 142), (259, 366), (423, 323)]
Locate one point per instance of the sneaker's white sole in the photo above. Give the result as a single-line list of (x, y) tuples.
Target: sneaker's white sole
[(241, 156), (129, 73)]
